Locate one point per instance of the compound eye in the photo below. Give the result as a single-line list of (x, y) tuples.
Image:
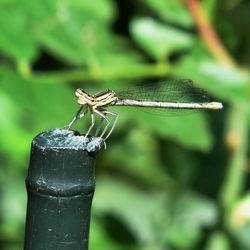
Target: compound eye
[(79, 92)]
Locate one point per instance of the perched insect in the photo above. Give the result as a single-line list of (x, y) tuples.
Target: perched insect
[(166, 96)]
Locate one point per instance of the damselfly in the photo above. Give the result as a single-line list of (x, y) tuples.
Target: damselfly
[(167, 96)]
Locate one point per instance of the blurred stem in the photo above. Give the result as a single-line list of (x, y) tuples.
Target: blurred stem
[(237, 130), (236, 140), (208, 33), (126, 72), (24, 69), (218, 241)]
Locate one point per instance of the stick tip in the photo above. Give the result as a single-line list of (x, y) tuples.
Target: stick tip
[(67, 139)]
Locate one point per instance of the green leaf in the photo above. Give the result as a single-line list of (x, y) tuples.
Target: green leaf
[(240, 214), (46, 10), (104, 13), (172, 11), (16, 39), (242, 236), (100, 238), (142, 155), (11, 132), (129, 205), (189, 213), (210, 6), (76, 31), (13, 207), (228, 4), (177, 219), (159, 40), (31, 106), (191, 131), (228, 83), (218, 241)]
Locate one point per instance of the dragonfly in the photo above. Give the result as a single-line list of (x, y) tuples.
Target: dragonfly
[(165, 97)]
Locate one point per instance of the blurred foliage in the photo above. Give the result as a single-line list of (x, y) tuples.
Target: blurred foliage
[(164, 182)]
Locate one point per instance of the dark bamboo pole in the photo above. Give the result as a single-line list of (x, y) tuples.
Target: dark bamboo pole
[(60, 186)]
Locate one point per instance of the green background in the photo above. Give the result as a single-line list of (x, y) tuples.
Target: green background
[(164, 183)]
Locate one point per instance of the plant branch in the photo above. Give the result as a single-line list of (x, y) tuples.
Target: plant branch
[(237, 144), (208, 33), (126, 72), (236, 133)]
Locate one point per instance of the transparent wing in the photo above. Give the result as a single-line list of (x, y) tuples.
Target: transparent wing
[(181, 91), (168, 91)]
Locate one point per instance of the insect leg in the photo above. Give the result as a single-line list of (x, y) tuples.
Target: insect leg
[(114, 123), (100, 112), (76, 117), (92, 122), (99, 126)]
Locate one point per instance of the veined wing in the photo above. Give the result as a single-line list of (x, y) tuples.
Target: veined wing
[(169, 91), (176, 91)]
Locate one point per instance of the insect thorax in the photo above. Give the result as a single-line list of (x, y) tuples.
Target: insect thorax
[(100, 99)]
